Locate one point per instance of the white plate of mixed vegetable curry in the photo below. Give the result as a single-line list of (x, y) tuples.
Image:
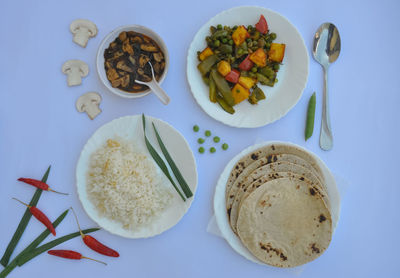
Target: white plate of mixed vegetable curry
[(247, 66)]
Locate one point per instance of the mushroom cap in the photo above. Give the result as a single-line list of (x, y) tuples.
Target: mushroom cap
[(81, 65), (87, 24), (90, 98)]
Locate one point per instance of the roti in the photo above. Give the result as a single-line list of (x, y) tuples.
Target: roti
[(270, 172), (283, 224), (268, 152), (239, 182)]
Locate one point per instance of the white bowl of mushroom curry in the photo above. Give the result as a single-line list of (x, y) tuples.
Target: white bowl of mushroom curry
[(123, 56)]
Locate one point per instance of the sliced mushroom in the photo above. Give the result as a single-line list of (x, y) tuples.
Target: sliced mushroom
[(112, 74), (89, 103), (122, 36), (132, 60), (158, 56), (75, 70), (122, 66), (82, 29), (126, 47), (157, 68), (143, 59), (148, 47), (137, 39)]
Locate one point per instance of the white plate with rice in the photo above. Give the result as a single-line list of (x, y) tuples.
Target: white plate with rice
[(121, 187)]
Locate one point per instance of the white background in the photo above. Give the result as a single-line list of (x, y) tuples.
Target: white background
[(40, 126)]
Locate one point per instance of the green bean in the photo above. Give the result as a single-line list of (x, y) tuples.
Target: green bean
[(310, 117), (206, 80), (226, 49), (264, 80), (23, 223), (205, 66), (259, 94), (228, 108), (212, 90), (252, 98), (223, 87), (219, 33)]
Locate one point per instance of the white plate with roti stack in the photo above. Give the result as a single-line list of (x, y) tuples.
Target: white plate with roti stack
[(277, 204)]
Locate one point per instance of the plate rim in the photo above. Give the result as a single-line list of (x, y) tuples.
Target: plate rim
[(95, 219), (279, 115)]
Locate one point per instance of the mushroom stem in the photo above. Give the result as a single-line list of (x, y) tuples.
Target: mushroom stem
[(74, 77), (92, 111), (81, 38)]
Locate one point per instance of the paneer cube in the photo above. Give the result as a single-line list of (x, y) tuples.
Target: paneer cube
[(276, 52)]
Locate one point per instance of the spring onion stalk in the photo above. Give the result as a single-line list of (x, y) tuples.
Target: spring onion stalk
[(185, 187), (158, 159), (23, 223)]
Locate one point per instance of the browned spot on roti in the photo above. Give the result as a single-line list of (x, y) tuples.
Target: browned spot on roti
[(312, 191), (314, 248), (229, 211), (283, 257), (273, 147), (269, 159), (297, 186), (322, 218), (275, 158), (301, 178), (254, 156)]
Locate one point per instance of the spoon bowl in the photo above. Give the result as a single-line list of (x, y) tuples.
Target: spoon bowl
[(326, 49)]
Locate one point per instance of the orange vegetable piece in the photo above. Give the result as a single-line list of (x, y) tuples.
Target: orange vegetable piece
[(224, 68), (239, 35), (259, 57), (205, 53), (240, 93), (276, 52), (247, 82)]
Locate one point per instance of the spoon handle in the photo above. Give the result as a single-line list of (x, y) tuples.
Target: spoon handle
[(325, 138), (157, 90)]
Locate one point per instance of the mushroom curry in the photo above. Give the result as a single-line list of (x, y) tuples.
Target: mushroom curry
[(126, 59)]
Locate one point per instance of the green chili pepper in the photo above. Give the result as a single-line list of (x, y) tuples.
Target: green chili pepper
[(310, 117)]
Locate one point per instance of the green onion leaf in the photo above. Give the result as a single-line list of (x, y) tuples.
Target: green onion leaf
[(37, 251), (185, 187), (23, 223), (158, 159), (33, 245)]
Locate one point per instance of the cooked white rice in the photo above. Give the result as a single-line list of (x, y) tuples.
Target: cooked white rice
[(124, 185)]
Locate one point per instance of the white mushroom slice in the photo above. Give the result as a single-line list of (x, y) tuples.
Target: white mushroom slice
[(89, 103), (82, 29), (75, 70)]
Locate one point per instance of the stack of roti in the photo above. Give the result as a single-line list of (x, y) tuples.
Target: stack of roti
[(277, 204)]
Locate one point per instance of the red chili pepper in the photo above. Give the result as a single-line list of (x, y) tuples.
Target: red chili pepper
[(233, 76), (262, 25), (39, 184), (39, 215), (69, 254), (246, 64), (94, 244)]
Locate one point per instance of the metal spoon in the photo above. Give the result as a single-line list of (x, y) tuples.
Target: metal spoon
[(155, 87), (326, 50)]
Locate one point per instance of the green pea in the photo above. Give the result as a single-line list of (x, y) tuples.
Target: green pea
[(268, 45), (249, 27), (219, 26), (207, 133), (240, 51), (276, 67), (217, 43), (196, 128), (310, 117), (201, 150), (272, 36), (216, 139), (212, 150), (248, 40), (225, 146), (230, 42), (200, 140), (224, 40), (254, 69), (235, 27)]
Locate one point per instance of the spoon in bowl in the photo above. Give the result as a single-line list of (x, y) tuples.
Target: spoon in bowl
[(326, 49), (155, 87)]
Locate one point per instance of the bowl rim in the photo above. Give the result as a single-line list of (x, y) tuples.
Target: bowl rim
[(113, 34)]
